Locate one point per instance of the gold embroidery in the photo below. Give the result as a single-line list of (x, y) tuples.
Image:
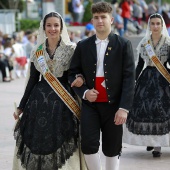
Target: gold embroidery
[(60, 90)]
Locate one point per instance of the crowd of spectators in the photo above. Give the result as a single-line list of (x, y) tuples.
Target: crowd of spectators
[(14, 54), (130, 17)]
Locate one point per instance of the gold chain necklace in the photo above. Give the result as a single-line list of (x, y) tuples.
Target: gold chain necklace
[(154, 46), (51, 51)]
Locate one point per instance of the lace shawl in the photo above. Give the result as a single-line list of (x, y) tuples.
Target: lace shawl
[(140, 46), (161, 51), (61, 60)]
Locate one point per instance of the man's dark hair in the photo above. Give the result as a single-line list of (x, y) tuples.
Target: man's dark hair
[(100, 7), (114, 1)]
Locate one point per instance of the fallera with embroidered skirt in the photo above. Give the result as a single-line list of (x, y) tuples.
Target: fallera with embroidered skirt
[(47, 134), (148, 122)]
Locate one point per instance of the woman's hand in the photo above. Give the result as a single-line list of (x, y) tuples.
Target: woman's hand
[(78, 82), (16, 115)]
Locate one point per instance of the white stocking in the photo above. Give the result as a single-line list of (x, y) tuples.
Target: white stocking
[(112, 163), (93, 161)]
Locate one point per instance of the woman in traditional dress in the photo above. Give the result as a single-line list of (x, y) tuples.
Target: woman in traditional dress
[(148, 123), (47, 135)]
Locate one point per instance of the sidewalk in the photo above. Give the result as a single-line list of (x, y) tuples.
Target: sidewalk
[(9, 92), (133, 157)]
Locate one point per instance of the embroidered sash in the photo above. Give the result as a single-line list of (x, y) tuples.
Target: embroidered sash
[(56, 85), (157, 62)]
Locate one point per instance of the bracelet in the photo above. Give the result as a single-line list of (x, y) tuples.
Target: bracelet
[(80, 75)]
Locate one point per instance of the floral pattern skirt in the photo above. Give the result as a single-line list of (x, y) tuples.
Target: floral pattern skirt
[(150, 113)]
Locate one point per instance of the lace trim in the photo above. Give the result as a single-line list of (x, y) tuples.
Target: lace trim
[(161, 51), (61, 60), (148, 128), (52, 161)]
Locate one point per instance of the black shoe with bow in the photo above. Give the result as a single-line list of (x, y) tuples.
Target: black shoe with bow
[(149, 148), (156, 154)]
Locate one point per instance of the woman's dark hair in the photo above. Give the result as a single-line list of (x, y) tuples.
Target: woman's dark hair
[(156, 15), (100, 7), (52, 14), (114, 1), (8, 42)]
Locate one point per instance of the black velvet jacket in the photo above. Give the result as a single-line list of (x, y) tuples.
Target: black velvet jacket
[(119, 69)]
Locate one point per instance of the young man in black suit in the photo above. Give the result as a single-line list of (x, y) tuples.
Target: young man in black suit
[(106, 63)]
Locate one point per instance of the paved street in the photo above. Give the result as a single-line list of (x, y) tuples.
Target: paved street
[(133, 157), (9, 93)]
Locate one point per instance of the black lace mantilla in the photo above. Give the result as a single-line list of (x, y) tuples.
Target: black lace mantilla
[(52, 161), (150, 113), (46, 135), (144, 128)]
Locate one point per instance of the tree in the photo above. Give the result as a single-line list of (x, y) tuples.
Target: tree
[(12, 4), (87, 13)]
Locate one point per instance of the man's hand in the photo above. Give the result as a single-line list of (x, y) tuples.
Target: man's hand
[(91, 95), (120, 117), (78, 82)]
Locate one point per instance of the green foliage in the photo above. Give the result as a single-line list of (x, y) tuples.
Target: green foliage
[(26, 24), (21, 5), (108, 1), (87, 13), (4, 4)]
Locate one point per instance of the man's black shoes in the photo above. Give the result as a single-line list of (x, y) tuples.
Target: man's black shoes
[(156, 154)]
